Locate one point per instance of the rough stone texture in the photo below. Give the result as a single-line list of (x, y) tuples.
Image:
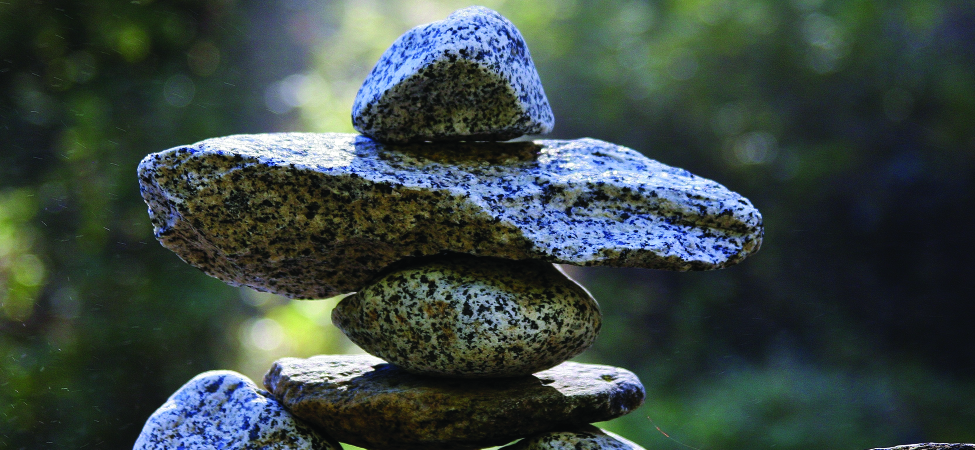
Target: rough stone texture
[(223, 409), (365, 402), (315, 215), (586, 437), (472, 317), (931, 446), (467, 77)]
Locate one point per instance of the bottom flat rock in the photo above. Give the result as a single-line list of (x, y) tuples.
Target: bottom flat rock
[(364, 401), (931, 446), (225, 410), (583, 438)]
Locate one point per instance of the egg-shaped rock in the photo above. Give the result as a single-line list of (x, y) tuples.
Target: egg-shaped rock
[(471, 317)]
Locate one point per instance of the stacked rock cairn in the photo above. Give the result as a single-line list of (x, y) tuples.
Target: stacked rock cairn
[(446, 239)]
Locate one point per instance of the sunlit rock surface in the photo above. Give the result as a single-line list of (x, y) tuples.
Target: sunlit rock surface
[(223, 409), (311, 215), (365, 402), (467, 77), (471, 317), (586, 437)]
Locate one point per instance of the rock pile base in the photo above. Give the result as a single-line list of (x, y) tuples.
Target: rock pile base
[(366, 402)]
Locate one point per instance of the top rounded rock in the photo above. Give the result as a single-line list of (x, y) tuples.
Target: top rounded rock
[(468, 77)]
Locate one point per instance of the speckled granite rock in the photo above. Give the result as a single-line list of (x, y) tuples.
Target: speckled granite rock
[(314, 215), (365, 402), (471, 317), (585, 437), (223, 409), (467, 77), (931, 446)]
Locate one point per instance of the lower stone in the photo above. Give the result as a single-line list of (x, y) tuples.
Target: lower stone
[(223, 409), (363, 401), (471, 317), (931, 446), (586, 437)]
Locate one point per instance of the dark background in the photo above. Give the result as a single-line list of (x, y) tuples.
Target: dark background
[(849, 124)]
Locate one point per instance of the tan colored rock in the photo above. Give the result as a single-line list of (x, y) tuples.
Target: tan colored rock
[(363, 401), (471, 317)]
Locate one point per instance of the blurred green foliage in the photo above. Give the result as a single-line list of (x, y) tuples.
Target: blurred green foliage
[(850, 124)]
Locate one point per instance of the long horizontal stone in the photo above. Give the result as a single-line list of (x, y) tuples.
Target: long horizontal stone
[(365, 402), (315, 215)]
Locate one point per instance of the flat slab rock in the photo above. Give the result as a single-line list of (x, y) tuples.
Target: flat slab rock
[(224, 409), (467, 77), (363, 401), (311, 215)]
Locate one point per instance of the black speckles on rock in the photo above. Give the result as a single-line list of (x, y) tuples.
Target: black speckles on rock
[(418, 228), (487, 317), (223, 409), (365, 402), (586, 437), (468, 77), (316, 215)]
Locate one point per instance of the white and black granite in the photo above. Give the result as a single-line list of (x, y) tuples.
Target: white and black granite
[(468, 77), (471, 317), (365, 402), (586, 437), (312, 215), (222, 409)]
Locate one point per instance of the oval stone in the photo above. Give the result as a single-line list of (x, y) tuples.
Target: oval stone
[(471, 317)]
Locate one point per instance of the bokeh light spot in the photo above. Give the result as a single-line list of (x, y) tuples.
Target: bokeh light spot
[(291, 92), (28, 270), (757, 147), (265, 334), (132, 43), (203, 58), (179, 90)]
